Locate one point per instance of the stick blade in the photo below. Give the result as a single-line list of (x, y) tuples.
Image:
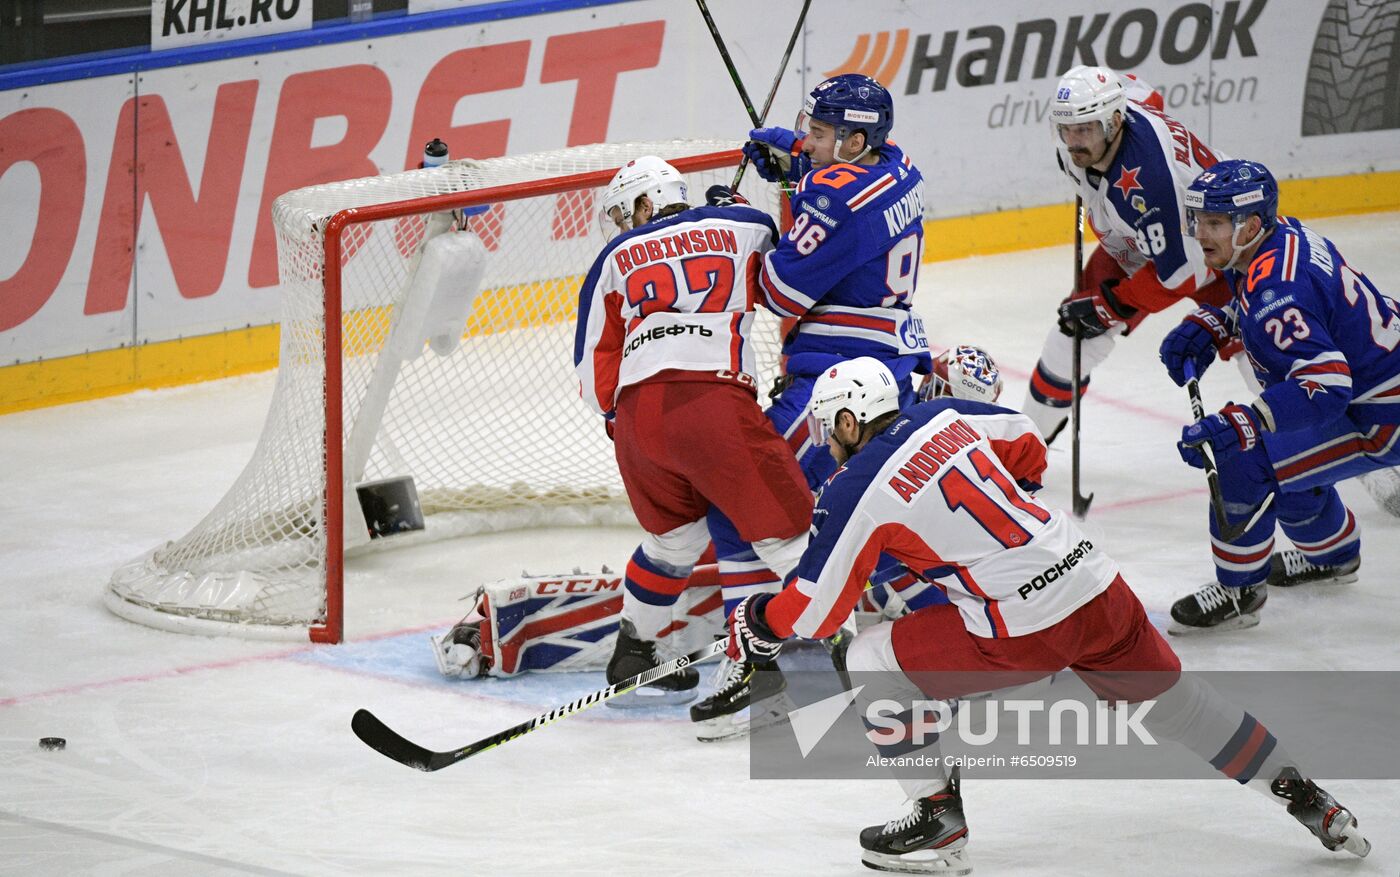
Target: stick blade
[(1081, 505), (386, 741)]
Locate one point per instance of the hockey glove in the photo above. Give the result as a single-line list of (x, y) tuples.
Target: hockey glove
[(1205, 333), (750, 639), (777, 154), (1233, 428), (720, 195), (1094, 312)]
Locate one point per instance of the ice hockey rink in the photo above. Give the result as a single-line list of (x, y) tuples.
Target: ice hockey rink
[(195, 755)]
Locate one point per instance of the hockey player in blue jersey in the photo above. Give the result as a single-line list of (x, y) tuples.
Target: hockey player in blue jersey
[(845, 272), (1130, 163), (1323, 343)]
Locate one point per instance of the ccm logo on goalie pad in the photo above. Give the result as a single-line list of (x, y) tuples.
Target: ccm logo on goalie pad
[(575, 586)]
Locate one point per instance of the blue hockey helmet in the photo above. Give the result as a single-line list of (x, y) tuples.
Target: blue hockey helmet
[(853, 102), (1238, 188)]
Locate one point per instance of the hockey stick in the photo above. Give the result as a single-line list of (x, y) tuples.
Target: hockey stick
[(1080, 501), (729, 64), (755, 117), (773, 89), (381, 738), (1228, 532)]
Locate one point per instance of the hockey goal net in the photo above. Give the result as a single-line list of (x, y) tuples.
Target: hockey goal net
[(466, 387)]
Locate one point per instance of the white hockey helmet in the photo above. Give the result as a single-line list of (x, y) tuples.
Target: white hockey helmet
[(647, 175), (963, 372), (1089, 94), (862, 386)]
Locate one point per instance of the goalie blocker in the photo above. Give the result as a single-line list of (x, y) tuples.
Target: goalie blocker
[(558, 623)]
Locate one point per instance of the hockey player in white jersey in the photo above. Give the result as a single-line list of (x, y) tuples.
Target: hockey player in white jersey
[(945, 487), (662, 351), (1130, 163)]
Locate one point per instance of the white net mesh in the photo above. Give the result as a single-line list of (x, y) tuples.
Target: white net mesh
[(493, 433)]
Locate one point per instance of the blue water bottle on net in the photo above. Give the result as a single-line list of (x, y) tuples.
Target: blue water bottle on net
[(434, 154)]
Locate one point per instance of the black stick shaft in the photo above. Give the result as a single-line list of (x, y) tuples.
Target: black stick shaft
[(383, 739), (1080, 502), (729, 65), (1228, 532), (773, 89), (1198, 411)]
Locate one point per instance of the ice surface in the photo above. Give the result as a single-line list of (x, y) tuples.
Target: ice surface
[(196, 755)]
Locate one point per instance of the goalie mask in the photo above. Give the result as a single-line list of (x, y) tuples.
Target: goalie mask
[(963, 372), (862, 386), (662, 184), (1089, 94)]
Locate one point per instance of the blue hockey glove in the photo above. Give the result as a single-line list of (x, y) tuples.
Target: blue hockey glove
[(720, 195), (1233, 428), (1199, 338), (749, 636), (777, 154), (1094, 312)]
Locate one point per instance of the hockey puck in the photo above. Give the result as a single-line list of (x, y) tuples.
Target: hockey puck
[(52, 742)]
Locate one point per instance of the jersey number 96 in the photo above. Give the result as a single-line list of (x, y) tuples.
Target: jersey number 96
[(806, 234)]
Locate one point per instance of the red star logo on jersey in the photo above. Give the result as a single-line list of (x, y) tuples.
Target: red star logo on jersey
[(1312, 387), (1128, 181)]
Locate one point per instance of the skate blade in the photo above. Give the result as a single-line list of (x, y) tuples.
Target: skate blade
[(773, 711), (1353, 842), (952, 863), (1343, 579), (644, 697), (1242, 622)]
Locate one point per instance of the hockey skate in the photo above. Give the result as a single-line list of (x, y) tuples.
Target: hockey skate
[(633, 655), (931, 839), (747, 696), (1216, 607), (1290, 568), (1320, 813)]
